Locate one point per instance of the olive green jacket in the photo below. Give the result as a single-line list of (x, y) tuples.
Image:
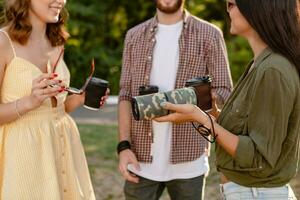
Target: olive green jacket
[(264, 111)]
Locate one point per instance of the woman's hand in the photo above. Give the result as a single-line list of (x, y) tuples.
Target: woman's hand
[(183, 113), (41, 89), (215, 109), (75, 101), (104, 98)]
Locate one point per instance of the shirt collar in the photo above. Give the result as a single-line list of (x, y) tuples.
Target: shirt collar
[(154, 22), (262, 56)]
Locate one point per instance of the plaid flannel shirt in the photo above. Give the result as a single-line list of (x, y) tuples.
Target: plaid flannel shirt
[(202, 51)]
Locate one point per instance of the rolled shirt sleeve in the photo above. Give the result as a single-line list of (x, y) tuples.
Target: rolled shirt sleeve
[(125, 81), (267, 124), (218, 67)]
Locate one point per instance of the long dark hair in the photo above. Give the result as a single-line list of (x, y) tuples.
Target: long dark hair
[(16, 18), (277, 23)]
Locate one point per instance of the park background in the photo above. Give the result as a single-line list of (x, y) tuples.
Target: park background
[(97, 30)]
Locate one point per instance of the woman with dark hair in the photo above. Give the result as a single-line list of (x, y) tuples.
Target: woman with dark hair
[(257, 132), (41, 155)]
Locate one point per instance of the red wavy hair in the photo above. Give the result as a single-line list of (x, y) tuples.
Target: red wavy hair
[(16, 17)]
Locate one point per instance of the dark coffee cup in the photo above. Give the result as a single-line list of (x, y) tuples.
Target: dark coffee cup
[(202, 86), (95, 89)]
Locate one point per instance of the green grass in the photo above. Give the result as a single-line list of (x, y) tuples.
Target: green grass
[(99, 140), (100, 146)]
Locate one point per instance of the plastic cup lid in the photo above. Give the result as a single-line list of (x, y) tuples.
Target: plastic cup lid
[(197, 80), (98, 81)]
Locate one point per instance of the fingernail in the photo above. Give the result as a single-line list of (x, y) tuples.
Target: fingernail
[(61, 90), (55, 74), (60, 81), (163, 104)]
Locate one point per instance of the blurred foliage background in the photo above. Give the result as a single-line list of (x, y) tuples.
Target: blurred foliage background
[(98, 29)]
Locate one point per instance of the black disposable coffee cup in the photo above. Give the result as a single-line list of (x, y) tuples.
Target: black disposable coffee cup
[(95, 89), (202, 86)]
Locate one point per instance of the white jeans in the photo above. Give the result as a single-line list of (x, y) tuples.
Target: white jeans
[(233, 191)]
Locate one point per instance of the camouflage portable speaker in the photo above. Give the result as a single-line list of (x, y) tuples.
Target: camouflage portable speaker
[(147, 107)]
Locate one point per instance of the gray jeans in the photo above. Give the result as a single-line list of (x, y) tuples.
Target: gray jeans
[(178, 189)]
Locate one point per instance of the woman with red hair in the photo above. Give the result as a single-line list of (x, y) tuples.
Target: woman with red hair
[(41, 155)]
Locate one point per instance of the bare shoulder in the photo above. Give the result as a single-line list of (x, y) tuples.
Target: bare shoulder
[(4, 46), (4, 42), (4, 53)]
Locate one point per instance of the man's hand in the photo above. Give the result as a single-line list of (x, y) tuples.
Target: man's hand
[(127, 157)]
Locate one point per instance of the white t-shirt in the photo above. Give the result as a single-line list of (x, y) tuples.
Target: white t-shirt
[(163, 74)]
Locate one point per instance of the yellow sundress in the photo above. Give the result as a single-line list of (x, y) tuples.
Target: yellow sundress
[(41, 155)]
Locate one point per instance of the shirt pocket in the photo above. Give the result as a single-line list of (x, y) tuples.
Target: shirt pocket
[(195, 64), (237, 117)]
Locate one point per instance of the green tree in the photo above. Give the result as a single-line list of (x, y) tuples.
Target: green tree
[(215, 12), (1, 12), (98, 29)]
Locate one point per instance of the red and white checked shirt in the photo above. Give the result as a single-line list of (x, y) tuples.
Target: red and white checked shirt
[(202, 51)]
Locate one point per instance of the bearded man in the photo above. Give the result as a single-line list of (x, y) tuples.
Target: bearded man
[(166, 51)]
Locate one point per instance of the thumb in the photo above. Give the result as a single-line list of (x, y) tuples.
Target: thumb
[(166, 105), (136, 165), (214, 96)]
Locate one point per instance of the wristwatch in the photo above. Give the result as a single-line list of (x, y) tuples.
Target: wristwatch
[(125, 144)]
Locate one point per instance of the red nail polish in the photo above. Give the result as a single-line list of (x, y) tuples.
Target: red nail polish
[(55, 75), (61, 91), (60, 81)]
